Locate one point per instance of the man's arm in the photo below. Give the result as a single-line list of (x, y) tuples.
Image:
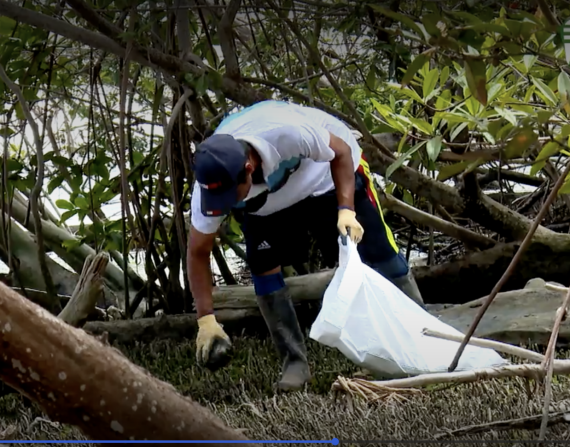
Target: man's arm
[(342, 171), (199, 274), (200, 242), (318, 144)]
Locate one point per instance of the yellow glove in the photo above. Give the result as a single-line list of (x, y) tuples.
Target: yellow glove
[(347, 221), (212, 343)]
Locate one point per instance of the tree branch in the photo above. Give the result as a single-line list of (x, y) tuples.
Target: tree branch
[(543, 6), (337, 88), (36, 190), (226, 36), (409, 212), (150, 57)]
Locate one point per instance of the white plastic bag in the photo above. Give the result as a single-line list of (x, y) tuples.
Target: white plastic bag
[(379, 328)]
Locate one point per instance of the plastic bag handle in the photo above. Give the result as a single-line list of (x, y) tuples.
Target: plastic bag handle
[(343, 237)]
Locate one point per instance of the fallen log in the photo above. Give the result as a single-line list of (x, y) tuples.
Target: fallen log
[(77, 380), (236, 308), (475, 275), (519, 316)]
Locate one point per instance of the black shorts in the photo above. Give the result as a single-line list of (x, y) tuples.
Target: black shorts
[(274, 240)]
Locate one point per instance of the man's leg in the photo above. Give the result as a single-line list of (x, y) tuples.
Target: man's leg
[(378, 247), (268, 240)]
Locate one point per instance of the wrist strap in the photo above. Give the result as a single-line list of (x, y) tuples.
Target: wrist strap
[(345, 208)]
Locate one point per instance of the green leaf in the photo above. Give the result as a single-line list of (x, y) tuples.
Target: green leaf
[(469, 18), (422, 125), (408, 198), (409, 92), (476, 75), (546, 93), (520, 142), (101, 170), (13, 165), (490, 28), (54, 183), (454, 118), (430, 81), (420, 60), (402, 159), (19, 111), (448, 171), (544, 116), (434, 147), (70, 244), (564, 132), (529, 60), (6, 25), (201, 85), (444, 75), (430, 22), (565, 189), (564, 85), (457, 130), (494, 91), (383, 128), (82, 202), (64, 204), (507, 114), (548, 150), (65, 216), (371, 78)]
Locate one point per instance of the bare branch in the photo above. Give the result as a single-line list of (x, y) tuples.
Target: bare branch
[(337, 88), (150, 57), (37, 189), (226, 36)]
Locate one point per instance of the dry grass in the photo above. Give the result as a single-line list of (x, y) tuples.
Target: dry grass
[(242, 395)]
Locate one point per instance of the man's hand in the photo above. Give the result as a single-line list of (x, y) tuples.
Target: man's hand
[(212, 344), (347, 220)]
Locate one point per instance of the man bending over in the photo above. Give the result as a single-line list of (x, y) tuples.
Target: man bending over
[(291, 170)]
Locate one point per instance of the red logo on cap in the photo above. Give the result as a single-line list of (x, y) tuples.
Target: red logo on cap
[(211, 185)]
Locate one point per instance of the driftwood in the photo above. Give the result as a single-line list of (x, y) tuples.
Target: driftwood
[(77, 380), (527, 370), (87, 292), (506, 348)]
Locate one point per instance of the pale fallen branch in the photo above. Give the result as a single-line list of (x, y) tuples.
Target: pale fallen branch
[(528, 370), (548, 363), (556, 288), (525, 423), (491, 344)]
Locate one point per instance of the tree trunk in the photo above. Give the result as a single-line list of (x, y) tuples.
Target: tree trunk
[(77, 380), (88, 291)]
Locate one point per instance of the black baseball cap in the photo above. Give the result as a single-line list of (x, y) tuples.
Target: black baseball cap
[(218, 161)]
